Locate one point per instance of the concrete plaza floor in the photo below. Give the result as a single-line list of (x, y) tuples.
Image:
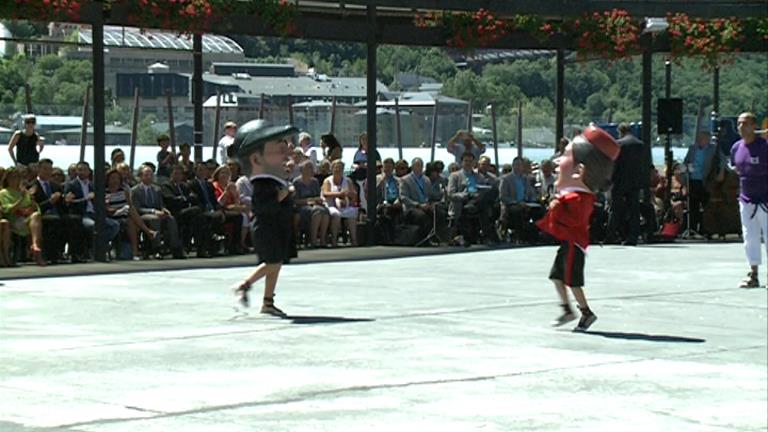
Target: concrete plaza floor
[(438, 343)]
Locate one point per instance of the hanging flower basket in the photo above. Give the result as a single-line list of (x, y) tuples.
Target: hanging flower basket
[(198, 16), (464, 30), (610, 35), (186, 16), (42, 10), (713, 41)]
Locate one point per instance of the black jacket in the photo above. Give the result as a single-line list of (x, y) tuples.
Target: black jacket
[(178, 197), (44, 201), (628, 168), (200, 196)]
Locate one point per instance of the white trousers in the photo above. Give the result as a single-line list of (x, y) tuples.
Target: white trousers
[(754, 225)]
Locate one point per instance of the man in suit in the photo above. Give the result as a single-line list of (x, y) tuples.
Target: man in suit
[(515, 191), (177, 196), (469, 193), (78, 196), (215, 218), (148, 200), (389, 207), (415, 191), (49, 196), (627, 182)]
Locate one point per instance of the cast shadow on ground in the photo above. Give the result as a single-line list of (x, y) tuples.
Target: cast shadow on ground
[(644, 337), (316, 319)]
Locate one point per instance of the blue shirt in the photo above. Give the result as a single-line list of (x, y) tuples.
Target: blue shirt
[(699, 158), (390, 187), (471, 183), (420, 186), (519, 188)]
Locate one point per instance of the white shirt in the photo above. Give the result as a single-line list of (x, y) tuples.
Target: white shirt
[(86, 187), (311, 153), (245, 189), (224, 144)]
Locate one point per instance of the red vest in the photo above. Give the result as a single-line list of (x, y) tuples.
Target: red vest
[(569, 219)]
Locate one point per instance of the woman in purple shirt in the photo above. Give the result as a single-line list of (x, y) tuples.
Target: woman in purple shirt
[(749, 157)]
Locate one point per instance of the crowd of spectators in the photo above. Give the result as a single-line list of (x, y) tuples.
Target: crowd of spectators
[(175, 207)]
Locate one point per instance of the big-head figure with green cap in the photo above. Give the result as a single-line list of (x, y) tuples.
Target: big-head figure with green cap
[(262, 148)]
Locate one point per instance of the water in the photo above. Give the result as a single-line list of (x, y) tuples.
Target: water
[(62, 156)]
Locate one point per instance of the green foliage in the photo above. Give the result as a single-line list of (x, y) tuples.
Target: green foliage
[(57, 86), (146, 134)]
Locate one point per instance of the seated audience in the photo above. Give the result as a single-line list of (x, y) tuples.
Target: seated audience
[(312, 216), (148, 199), (22, 213), (339, 196), (228, 197)]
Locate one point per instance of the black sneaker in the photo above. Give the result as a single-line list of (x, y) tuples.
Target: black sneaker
[(587, 319)]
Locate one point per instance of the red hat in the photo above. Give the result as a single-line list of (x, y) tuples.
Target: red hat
[(602, 140)]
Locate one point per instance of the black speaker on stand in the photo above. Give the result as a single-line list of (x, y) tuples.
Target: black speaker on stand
[(670, 116), (669, 112)]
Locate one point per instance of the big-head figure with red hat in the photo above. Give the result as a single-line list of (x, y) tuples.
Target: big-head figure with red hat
[(585, 168)]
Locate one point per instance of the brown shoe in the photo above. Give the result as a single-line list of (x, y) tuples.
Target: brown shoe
[(269, 308)]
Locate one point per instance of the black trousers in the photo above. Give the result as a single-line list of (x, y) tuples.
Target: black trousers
[(54, 236), (699, 200), (191, 224), (625, 214)]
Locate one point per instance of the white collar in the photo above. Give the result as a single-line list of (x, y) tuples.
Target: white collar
[(282, 182), (575, 189)]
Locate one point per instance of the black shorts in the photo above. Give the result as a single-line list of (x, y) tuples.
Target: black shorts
[(569, 265)]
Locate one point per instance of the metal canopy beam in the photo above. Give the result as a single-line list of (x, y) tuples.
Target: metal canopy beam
[(396, 27), (561, 8)]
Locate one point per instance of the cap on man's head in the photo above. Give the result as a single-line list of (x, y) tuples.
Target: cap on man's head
[(163, 137), (252, 136), (30, 118), (230, 124), (602, 141)]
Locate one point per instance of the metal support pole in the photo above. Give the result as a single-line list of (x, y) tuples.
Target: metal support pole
[(84, 125), (495, 135), (261, 107), (716, 90), (668, 140), (290, 109), (371, 190), (171, 127), (647, 94), (97, 28), (469, 116), (433, 140), (216, 121), (560, 96), (197, 96), (398, 130), (333, 115), (134, 126), (520, 129), (28, 98)]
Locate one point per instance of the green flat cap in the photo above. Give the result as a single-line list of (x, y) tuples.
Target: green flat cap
[(253, 135)]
